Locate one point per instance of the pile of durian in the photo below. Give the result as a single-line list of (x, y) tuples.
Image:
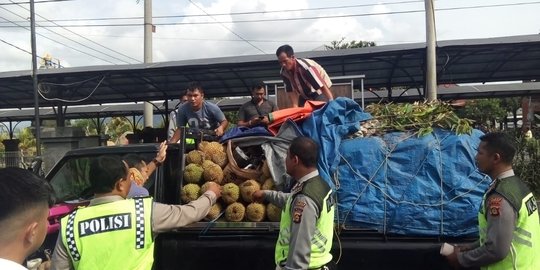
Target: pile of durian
[(209, 164)]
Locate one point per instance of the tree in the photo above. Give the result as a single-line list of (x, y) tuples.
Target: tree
[(27, 141), (89, 126), (117, 126), (232, 117), (341, 44), (512, 104), (485, 112)]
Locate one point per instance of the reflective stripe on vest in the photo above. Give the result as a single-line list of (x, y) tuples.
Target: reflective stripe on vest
[(116, 235), (525, 245)]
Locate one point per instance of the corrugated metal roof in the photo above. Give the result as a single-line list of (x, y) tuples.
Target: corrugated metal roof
[(459, 61)]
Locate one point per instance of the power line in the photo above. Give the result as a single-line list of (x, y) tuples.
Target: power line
[(57, 41), (17, 47), (295, 19), (65, 38), (80, 35), (21, 49), (35, 2), (237, 13), (251, 40), (230, 30)]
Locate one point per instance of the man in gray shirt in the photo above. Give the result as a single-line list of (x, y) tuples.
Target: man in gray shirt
[(307, 220), (199, 114), (255, 112), (508, 218)]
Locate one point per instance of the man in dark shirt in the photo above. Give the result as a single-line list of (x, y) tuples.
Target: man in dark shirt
[(255, 112)]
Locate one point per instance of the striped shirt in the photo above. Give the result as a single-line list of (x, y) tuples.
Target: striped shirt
[(307, 79)]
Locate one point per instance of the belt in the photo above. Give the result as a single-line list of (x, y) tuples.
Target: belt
[(320, 268), (324, 267)]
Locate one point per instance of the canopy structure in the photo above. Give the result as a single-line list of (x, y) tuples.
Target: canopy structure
[(514, 58)]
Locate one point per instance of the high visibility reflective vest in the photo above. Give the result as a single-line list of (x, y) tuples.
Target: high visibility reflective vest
[(525, 247), (321, 242), (115, 235)]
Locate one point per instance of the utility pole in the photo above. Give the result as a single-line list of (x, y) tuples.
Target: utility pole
[(34, 77), (148, 27), (431, 55)]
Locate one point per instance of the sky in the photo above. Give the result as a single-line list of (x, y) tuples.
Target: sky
[(261, 27)]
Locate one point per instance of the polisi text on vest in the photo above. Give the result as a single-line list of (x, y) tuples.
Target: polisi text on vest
[(104, 224)]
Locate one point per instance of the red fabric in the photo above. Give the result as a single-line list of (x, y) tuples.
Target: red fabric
[(296, 114)]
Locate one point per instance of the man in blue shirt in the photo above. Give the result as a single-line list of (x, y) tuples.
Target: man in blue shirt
[(199, 113)]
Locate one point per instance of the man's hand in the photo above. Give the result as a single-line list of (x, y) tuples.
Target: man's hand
[(453, 260), (258, 196), (265, 120), (212, 186), (254, 121), (162, 153), (219, 131)]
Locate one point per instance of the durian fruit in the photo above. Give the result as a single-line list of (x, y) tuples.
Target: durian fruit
[(190, 192), (193, 173), (212, 148), (202, 145), (204, 187), (268, 184), (207, 163), (255, 212), (273, 213), (230, 193), (214, 212), (235, 212), (213, 173), (195, 156), (220, 158), (247, 188)]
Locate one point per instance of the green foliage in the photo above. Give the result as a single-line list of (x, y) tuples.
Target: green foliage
[(232, 117), (27, 140), (341, 44), (484, 112), (89, 126), (419, 116), (117, 126), (3, 136), (527, 162)]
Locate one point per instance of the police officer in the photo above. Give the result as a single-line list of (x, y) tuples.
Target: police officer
[(307, 219), (118, 233), (508, 218)]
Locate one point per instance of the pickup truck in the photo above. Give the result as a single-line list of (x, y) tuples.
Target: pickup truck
[(233, 245)]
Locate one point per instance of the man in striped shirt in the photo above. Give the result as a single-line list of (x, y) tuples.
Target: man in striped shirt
[(304, 79)]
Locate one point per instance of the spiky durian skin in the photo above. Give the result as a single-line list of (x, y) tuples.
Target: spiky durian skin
[(247, 188), (255, 212), (235, 212), (230, 193), (190, 192)]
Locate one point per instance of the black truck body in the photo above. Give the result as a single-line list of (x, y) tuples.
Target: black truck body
[(241, 245)]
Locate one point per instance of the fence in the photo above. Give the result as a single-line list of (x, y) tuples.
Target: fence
[(15, 159)]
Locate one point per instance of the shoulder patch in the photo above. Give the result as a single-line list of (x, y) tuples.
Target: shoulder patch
[(494, 205), (531, 205), (298, 209)]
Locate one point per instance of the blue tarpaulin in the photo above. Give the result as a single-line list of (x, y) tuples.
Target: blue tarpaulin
[(398, 183)]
